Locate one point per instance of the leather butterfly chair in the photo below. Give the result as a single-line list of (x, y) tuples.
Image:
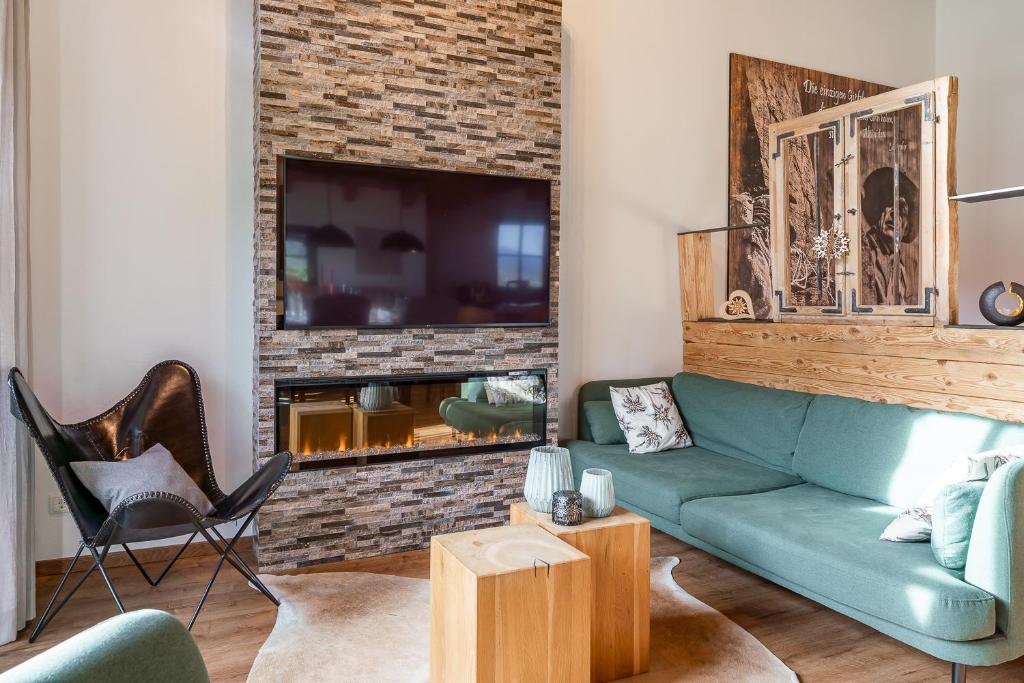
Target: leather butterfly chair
[(166, 408)]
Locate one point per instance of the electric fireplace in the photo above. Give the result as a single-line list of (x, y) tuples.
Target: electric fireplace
[(358, 421)]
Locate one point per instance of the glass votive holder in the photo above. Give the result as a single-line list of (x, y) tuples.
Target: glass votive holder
[(567, 508)]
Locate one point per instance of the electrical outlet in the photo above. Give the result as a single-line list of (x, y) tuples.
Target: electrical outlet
[(58, 506)]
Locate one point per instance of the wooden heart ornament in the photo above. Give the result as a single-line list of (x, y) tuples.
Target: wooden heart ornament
[(739, 306)]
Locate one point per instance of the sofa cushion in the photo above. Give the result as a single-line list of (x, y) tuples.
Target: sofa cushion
[(660, 482), (888, 452), (953, 513), (827, 542), (598, 391), (758, 424), (601, 420)]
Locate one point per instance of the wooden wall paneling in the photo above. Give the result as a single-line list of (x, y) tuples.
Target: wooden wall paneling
[(999, 410), (696, 283), (1001, 382), (1004, 347), (976, 371)]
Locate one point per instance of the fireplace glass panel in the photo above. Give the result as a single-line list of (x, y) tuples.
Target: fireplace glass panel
[(362, 421)]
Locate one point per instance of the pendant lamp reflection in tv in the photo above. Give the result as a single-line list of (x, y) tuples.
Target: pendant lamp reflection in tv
[(329, 234), (402, 242)]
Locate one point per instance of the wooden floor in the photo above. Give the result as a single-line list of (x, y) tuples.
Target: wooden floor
[(819, 644)]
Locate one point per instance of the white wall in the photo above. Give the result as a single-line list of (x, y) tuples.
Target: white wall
[(142, 212), (980, 43), (645, 134)]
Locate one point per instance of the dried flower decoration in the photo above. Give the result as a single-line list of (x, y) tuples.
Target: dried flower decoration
[(831, 245)]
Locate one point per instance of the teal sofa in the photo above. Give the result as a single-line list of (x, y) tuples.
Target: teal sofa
[(471, 413), (144, 645), (797, 488)]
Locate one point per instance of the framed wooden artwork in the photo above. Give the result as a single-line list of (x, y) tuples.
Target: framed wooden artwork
[(763, 92), (859, 208)]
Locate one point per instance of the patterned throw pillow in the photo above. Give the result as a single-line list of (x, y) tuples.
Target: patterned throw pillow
[(649, 418), (914, 524)]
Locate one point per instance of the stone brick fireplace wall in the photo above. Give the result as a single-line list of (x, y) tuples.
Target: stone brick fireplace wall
[(467, 85)]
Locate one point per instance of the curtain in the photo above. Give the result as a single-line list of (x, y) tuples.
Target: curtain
[(17, 571)]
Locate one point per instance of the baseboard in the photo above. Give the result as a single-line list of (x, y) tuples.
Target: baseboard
[(198, 548)]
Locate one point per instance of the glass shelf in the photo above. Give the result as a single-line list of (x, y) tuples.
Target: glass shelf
[(989, 195), (986, 327)]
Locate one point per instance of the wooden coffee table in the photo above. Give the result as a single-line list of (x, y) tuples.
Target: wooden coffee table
[(619, 547), (508, 604)]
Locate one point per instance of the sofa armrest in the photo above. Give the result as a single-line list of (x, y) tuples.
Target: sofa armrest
[(995, 558), (145, 645)]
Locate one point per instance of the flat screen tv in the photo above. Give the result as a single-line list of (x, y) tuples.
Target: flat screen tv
[(364, 245)]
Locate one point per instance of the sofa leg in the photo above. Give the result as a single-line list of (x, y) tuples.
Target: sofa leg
[(959, 673)]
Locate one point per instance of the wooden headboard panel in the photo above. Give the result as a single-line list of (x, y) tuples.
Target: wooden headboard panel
[(978, 371)]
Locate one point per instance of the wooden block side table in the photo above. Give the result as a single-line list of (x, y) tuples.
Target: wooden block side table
[(383, 428), (319, 426), (619, 547), (508, 604)]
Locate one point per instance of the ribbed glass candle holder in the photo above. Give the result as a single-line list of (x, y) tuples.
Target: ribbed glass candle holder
[(598, 492), (549, 471)]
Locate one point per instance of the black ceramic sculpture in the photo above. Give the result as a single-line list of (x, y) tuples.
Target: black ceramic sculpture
[(1003, 314), (567, 508)]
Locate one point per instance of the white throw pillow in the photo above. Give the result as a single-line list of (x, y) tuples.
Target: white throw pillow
[(915, 523), (506, 391), (649, 418)]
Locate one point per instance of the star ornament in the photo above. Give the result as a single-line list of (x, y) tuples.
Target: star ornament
[(831, 245)]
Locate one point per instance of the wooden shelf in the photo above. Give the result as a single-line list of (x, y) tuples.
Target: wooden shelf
[(989, 195)]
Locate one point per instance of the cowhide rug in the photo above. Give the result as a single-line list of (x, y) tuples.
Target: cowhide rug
[(352, 626)]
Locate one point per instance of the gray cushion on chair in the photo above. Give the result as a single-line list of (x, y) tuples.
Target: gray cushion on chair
[(153, 470)]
